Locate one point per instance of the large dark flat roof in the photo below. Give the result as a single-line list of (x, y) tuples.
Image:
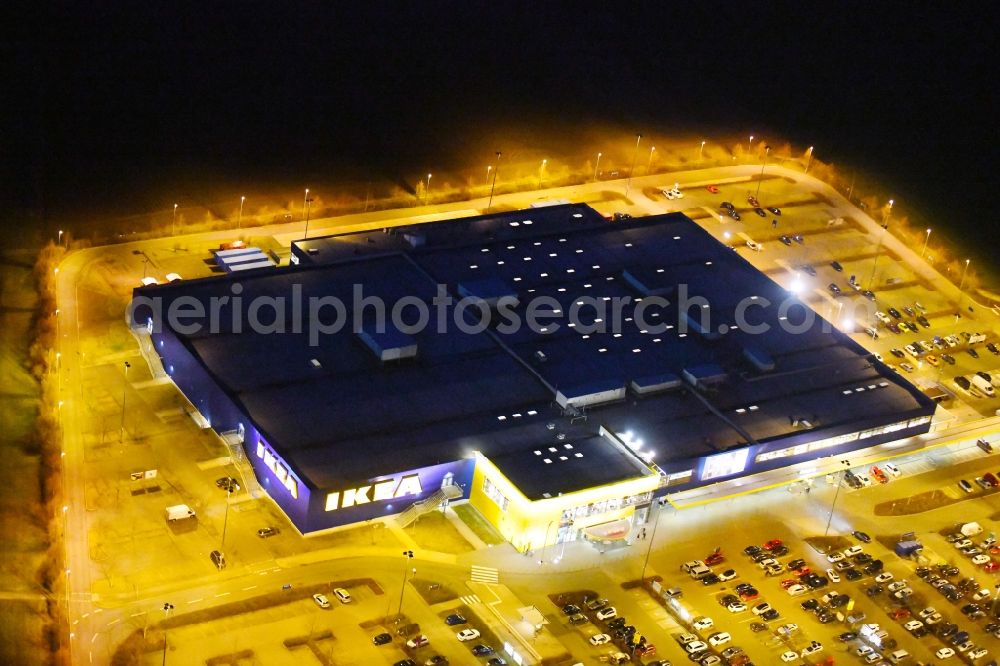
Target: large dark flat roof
[(339, 415)]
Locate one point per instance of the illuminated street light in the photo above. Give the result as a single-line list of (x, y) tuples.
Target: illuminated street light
[(167, 607), (493, 186), (59, 241), (308, 204), (961, 285), (878, 250), (885, 218), (750, 145), (926, 238), (239, 220), (173, 222), (121, 432), (767, 151), (408, 554), (598, 165), (635, 153), (701, 151), (489, 168), (833, 504), (541, 172), (649, 163), (809, 158), (652, 538), (427, 190), (304, 198)]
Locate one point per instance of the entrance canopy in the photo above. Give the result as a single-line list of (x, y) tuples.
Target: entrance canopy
[(616, 530)]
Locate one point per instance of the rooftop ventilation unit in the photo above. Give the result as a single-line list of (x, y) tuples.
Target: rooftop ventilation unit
[(388, 345), (591, 393)]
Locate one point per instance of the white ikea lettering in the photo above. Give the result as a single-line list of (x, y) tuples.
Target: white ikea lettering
[(377, 492), (279, 470)]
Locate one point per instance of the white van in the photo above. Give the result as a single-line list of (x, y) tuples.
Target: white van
[(982, 385), (343, 595)]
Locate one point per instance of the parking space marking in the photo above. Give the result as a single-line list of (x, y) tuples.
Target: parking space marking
[(194, 601)]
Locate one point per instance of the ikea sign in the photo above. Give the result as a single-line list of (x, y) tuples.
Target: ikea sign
[(378, 491)]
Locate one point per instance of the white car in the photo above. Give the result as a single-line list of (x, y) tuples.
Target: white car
[(835, 557), (703, 623), (728, 574), (927, 612), (892, 469), (600, 639), (884, 577), (736, 607), (607, 613), (978, 653), (789, 656), (668, 194), (343, 596), (981, 594), (468, 635), (913, 625), (684, 639), (787, 629), (853, 550), (963, 543), (719, 638), (897, 585), (944, 653), (418, 641), (833, 576), (812, 648), (796, 590), (696, 646), (761, 608), (980, 559), (321, 600), (864, 478), (882, 317)]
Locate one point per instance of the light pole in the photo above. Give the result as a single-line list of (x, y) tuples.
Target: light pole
[(961, 285), (541, 173), (239, 220), (701, 151), (833, 505), (427, 190), (59, 241), (173, 221), (750, 145), (809, 158), (308, 208), (225, 521), (924, 248), (635, 153), (878, 249), (121, 430), (408, 554), (545, 544), (167, 607), (598, 165), (652, 537), (649, 163), (489, 168), (496, 170), (885, 218), (305, 198), (767, 151)]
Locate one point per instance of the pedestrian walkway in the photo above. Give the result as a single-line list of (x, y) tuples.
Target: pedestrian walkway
[(484, 574), (471, 599)]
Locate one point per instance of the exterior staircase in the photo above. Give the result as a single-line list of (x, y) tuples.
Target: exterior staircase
[(428, 504)]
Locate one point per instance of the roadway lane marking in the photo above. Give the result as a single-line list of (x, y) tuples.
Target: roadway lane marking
[(98, 610), (252, 587), (114, 622), (86, 615), (194, 601), (223, 594), (137, 614)]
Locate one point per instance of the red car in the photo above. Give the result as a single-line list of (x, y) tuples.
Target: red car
[(803, 571), (772, 544), (879, 474), (747, 595), (788, 582), (714, 558), (714, 189), (991, 566), (991, 479)]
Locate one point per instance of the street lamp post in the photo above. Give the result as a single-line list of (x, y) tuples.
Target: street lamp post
[(878, 249), (635, 153), (649, 162), (496, 170), (173, 221), (649, 549), (767, 151), (541, 173), (59, 241), (833, 504), (809, 158), (121, 430), (961, 285), (885, 218), (408, 554), (305, 197), (701, 151), (239, 220), (489, 168), (225, 521), (167, 607), (924, 248), (427, 190), (750, 145), (308, 208), (597, 166)]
